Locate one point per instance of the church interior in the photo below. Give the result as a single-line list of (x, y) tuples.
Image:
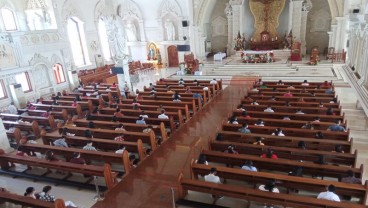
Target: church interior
[(183, 103)]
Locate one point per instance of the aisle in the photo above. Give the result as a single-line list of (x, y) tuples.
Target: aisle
[(149, 184)]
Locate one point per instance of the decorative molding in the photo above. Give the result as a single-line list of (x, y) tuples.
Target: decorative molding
[(170, 7), (130, 10), (39, 59), (69, 10)]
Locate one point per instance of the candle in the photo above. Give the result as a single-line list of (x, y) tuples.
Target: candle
[(276, 37), (272, 39)]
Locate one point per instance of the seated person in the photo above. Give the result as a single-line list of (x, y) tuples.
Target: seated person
[(202, 160), (163, 115), (336, 127), (244, 129), (259, 141), (288, 94), (259, 122), (305, 83), (269, 109), (120, 150), (278, 132), (329, 194), (89, 146), (248, 165), (233, 120), (140, 120), (269, 154), (60, 142), (213, 178), (270, 186), (77, 159)]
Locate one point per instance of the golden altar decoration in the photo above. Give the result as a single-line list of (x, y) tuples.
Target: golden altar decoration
[(266, 17)]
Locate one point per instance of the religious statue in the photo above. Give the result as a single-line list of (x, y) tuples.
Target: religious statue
[(116, 36), (151, 54), (159, 58), (239, 42), (131, 31), (244, 42), (170, 30), (288, 40)]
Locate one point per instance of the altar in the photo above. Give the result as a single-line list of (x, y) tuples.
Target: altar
[(280, 54)]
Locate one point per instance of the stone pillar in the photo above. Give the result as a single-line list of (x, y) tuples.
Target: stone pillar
[(141, 31), (122, 78), (334, 29), (4, 141), (303, 32), (297, 6), (230, 35), (341, 34), (330, 39)]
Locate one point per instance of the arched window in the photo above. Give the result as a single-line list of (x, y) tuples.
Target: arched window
[(78, 41), (104, 40), (59, 73), (8, 19)]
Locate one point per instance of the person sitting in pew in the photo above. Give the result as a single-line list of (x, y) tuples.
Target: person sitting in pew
[(202, 160), (21, 151), (278, 132), (108, 89), (269, 109), (77, 159), (88, 133), (74, 104), (259, 82), (163, 115), (119, 138), (213, 81), (297, 171), (219, 137), (330, 111), (288, 94), (231, 149), (169, 90), (12, 109), (49, 156), (136, 107), (305, 83), (280, 82), (30, 106), (269, 154), (46, 114), (181, 81), (118, 113), (197, 95), (286, 118), (133, 161), (233, 120), (245, 115), (338, 148), (290, 87), (329, 194), (336, 127), (46, 196), (334, 100), (330, 91), (213, 178), (254, 89), (120, 150), (299, 111), (244, 129), (248, 165), (89, 146), (140, 120), (270, 186), (143, 114), (302, 145), (259, 141), (259, 122), (263, 86), (319, 135), (120, 127), (320, 105), (254, 102), (350, 178), (66, 133), (308, 125), (317, 119), (60, 142), (135, 102), (30, 192)]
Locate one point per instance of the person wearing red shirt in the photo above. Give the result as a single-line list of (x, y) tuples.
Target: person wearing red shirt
[(269, 154), (288, 94)]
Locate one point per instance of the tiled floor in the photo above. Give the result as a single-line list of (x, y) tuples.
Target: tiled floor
[(165, 169)]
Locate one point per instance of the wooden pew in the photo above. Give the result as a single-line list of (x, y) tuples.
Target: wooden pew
[(289, 153), (84, 104), (184, 109), (287, 141), (77, 110), (286, 123), (61, 115), (158, 129), (49, 121), (94, 100), (296, 103), (262, 197), (304, 133), (292, 109), (134, 147), (296, 94), (288, 182), (314, 84), (16, 135), (67, 153), (148, 138), (292, 99), (169, 123), (191, 105), (283, 89), (27, 201), (24, 126), (187, 81), (177, 116), (293, 116), (282, 165), (191, 102), (206, 94), (182, 95), (93, 170)]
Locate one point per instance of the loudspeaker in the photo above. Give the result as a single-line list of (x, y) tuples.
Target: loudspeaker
[(356, 11), (185, 23), (184, 37)]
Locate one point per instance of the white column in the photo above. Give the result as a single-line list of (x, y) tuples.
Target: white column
[(340, 31), (297, 19), (334, 29), (230, 35), (330, 39), (141, 31), (303, 32), (4, 141), (290, 25), (236, 19)]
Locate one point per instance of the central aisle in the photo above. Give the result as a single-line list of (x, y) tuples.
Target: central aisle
[(149, 185)]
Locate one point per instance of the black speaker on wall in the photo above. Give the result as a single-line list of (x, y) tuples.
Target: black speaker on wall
[(356, 11), (185, 23)]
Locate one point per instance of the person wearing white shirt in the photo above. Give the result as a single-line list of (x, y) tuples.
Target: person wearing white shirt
[(329, 194), (213, 82), (12, 109), (120, 150), (163, 115), (270, 187), (248, 165), (213, 178), (269, 109)]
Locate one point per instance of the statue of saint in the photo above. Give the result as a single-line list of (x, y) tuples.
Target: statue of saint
[(159, 58), (228, 10), (131, 31), (116, 35), (170, 30)]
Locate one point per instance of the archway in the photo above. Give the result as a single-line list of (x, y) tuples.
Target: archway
[(173, 57)]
